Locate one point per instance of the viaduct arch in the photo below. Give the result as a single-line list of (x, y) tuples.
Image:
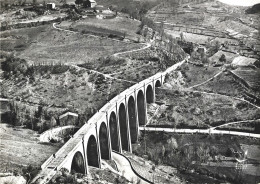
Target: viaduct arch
[(150, 97), (141, 107), (77, 165), (103, 141), (158, 84), (132, 119), (114, 131), (123, 127), (92, 152)]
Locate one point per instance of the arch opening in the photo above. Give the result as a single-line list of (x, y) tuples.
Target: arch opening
[(141, 107), (123, 127), (149, 94), (158, 84), (113, 132), (132, 119), (92, 152), (103, 140), (77, 165)]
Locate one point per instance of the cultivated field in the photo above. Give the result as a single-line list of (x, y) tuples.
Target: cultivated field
[(119, 27), (54, 46), (20, 148)]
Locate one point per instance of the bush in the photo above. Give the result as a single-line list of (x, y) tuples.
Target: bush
[(29, 172), (57, 69)]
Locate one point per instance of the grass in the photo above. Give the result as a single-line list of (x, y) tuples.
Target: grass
[(20, 39), (44, 45), (20, 148), (53, 46), (124, 26)]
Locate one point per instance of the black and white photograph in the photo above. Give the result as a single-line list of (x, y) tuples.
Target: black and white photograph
[(130, 91)]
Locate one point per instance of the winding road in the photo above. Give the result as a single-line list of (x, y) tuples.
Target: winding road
[(236, 122), (126, 169)]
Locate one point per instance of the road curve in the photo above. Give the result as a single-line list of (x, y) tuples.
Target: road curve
[(125, 167), (202, 131), (147, 45), (51, 133), (236, 122)]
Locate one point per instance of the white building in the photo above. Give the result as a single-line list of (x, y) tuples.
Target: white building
[(51, 6)]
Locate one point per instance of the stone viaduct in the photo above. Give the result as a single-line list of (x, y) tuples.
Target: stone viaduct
[(114, 127)]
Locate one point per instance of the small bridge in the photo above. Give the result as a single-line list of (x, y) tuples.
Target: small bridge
[(114, 127)]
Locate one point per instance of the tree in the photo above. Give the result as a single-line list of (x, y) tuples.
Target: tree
[(223, 58)]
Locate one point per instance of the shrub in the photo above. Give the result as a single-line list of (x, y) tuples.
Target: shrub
[(29, 172)]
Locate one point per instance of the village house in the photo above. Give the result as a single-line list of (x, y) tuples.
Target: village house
[(50, 6), (69, 118), (89, 3)]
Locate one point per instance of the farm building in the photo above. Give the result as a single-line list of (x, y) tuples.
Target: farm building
[(69, 118), (50, 6), (245, 61), (89, 3), (100, 8)]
